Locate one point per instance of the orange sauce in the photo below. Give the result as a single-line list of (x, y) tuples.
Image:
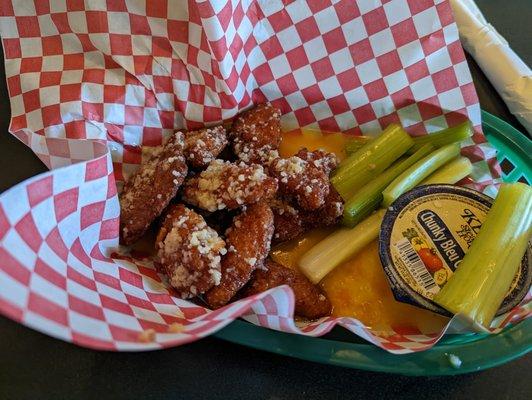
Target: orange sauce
[(359, 287)]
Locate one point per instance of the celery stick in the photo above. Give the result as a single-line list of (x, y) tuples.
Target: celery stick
[(373, 158), (455, 134), (479, 285), (356, 143), (451, 173), (369, 197), (419, 171), (339, 246)]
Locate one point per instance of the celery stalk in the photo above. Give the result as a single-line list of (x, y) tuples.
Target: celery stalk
[(419, 171), (450, 173), (339, 247), (455, 134), (373, 158), (356, 143), (480, 283), (369, 197)]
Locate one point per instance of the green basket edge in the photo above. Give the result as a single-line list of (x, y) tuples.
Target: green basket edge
[(512, 343)]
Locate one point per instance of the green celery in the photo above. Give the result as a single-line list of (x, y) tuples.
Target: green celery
[(355, 143), (419, 171), (369, 197), (479, 285), (455, 134), (450, 173), (373, 158)]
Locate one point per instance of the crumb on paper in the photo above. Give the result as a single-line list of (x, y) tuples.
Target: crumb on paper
[(454, 360), (176, 327), (147, 335)]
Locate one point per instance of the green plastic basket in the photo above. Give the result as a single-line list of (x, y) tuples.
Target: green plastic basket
[(476, 351)]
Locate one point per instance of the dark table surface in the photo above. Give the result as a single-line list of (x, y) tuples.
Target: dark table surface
[(36, 366)]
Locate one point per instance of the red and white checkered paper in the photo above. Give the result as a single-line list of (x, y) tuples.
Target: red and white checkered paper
[(91, 83)]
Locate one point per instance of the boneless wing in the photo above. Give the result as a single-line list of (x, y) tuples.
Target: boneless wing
[(204, 145), (248, 244)]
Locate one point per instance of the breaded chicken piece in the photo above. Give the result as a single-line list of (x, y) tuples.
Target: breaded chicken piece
[(256, 134), (320, 158), (189, 251), (301, 181), (147, 192), (311, 302), (225, 185), (204, 145), (248, 244), (290, 222)]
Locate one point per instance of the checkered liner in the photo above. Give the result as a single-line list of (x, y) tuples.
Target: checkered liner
[(90, 83)]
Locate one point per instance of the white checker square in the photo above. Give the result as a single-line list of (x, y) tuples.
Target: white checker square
[(279, 66), (383, 106), (271, 7), (304, 77), (83, 293), (341, 60), (71, 44), (92, 92), (346, 120), (451, 100), (52, 259), (52, 63), (47, 26), (354, 31), (134, 95), (45, 289), (89, 326), (370, 128), (327, 20), (410, 53), (330, 87), (450, 33), (289, 38), (439, 60), (71, 76), (34, 119), (382, 42), (24, 254), (409, 115), (141, 45), (78, 21), (298, 11), (397, 11), (58, 6), (23, 9), (114, 76), (368, 71), (427, 22), (463, 75), (13, 290), (43, 216), (396, 81), (436, 124), (116, 21), (367, 6), (315, 49), (122, 320), (473, 111), (147, 315), (151, 117), (296, 101), (49, 95), (30, 47), (157, 26), (46, 325), (98, 5), (114, 113), (194, 34), (423, 88), (213, 28), (29, 81), (357, 98), (230, 32), (8, 28), (321, 110), (17, 105), (133, 290)]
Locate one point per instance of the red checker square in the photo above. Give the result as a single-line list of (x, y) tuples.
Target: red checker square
[(91, 214), (404, 32), (28, 26), (12, 48), (235, 48), (13, 84), (416, 6), (287, 84), (346, 10), (375, 20), (430, 108), (389, 63), (85, 308), (179, 70), (445, 80), (6, 9), (4, 223), (114, 93), (49, 274), (469, 93), (132, 155), (92, 111), (120, 44), (97, 21), (334, 40), (75, 5), (56, 243), (91, 342), (376, 90), (192, 312), (139, 25), (432, 42), (18, 122), (389, 119), (151, 136), (149, 272), (73, 61), (51, 115), (212, 114), (58, 147), (107, 280), (160, 298), (263, 74), (456, 117), (163, 84), (31, 100), (177, 30), (209, 79), (304, 116), (47, 309), (329, 124), (322, 69), (391, 346), (297, 58), (280, 103), (77, 250), (93, 75), (157, 327), (13, 268), (109, 63), (280, 20), (318, 5), (39, 190), (417, 71), (65, 203), (124, 335), (149, 99), (95, 169), (75, 129), (31, 64), (307, 29), (348, 80), (157, 8), (115, 305), (167, 119), (403, 98), (417, 129), (271, 48), (364, 114), (138, 302), (312, 94), (361, 51), (60, 21), (456, 52), (445, 13), (109, 228), (338, 104), (134, 115), (49, 78), (52, 45), (238, 14)]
